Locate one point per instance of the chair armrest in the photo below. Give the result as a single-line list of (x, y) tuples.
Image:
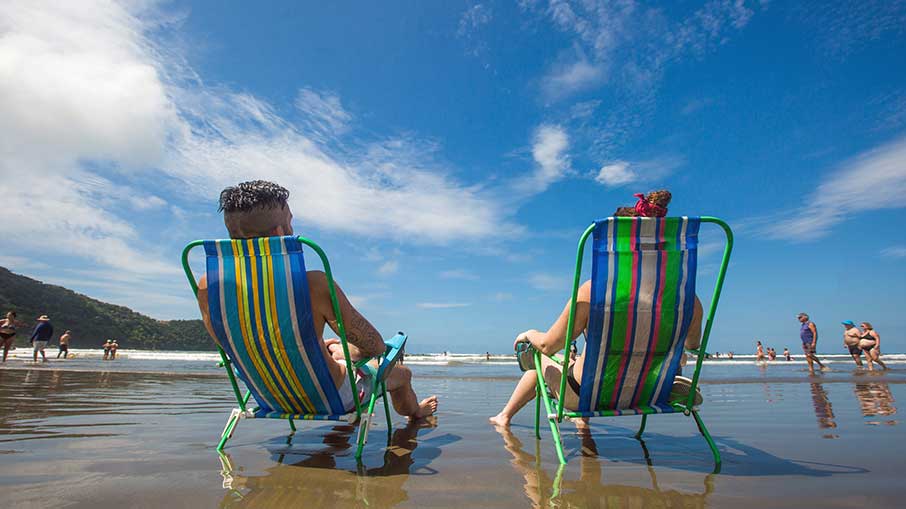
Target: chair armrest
[(395, 347)]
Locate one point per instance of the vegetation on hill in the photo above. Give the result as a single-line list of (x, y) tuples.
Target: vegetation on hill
[(92, 321)]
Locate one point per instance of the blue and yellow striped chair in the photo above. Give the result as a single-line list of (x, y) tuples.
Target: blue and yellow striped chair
[(642, 297), (261, 316)]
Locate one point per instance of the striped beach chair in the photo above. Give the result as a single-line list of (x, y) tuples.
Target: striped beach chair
[(642, 298), (261, 315)]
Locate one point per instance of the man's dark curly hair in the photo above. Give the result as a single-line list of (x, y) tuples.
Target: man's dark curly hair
[(251, 195)]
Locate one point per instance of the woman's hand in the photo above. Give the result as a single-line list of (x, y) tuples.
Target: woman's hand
[(524, 337)]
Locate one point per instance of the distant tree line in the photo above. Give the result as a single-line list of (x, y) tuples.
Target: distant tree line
[(92, 321)]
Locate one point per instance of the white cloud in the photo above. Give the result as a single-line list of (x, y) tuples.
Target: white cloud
[(87, 99), (502, 296), (324, 111), (459, 274), (549, 282), (474, 18), (549, 146), (619, 173), (894, 252), (442, 305), (571, 77), (877, 180), (616, 174), (17, 263), (388, 268)]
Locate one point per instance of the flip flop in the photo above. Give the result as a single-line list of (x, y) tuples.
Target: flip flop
[(680, 391)]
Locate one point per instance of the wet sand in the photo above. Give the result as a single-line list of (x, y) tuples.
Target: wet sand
[(118, 439)]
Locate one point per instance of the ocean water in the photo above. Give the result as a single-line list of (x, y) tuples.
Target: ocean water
[(449, 364)]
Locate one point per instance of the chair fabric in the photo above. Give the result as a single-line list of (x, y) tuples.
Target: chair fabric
[(260, 310), (642, 301)]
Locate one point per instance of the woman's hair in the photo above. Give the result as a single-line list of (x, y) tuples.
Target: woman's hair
[(12, 313), (867, 325)]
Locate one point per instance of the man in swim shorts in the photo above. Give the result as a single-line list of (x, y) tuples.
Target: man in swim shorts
[(808, 333), (260, 209), (851, 335), (64, 345)]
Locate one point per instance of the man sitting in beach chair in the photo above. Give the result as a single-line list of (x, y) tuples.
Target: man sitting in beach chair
[(260, 209)]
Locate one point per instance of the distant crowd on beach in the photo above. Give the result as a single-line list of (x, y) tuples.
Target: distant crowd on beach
[(41, 335), (858, 340)]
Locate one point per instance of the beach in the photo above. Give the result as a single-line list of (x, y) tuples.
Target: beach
[(140, 432)]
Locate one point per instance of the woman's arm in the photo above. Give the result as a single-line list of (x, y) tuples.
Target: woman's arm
[(554, 339), (877, 337)]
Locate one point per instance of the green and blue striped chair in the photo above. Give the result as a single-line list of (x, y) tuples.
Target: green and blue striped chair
[(261, 315), (642, 298)]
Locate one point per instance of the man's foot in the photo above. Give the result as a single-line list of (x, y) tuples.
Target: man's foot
[(426, 408), (500, 420)]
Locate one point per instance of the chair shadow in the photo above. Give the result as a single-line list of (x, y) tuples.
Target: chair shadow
[(326, 473), (690, 453)]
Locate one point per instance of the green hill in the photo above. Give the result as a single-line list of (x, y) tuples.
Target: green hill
[(93, 321)]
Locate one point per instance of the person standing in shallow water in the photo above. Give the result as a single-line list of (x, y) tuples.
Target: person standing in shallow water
[(808, 333), (851, 335), (8, 332), (64, 345), (870, 342), (40, 337)]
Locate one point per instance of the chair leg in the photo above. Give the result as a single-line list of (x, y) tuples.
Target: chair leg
[(364, 425), (638, 435), (711, 444), (292, 425), (555, 429), (537, 411), (228, 430), (387, 409)]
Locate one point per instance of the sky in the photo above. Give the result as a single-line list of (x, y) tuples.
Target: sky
[(447, 155)]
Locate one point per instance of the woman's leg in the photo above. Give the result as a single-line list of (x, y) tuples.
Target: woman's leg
[(869, 360), (524, 392), (875, 355), (7, 343)]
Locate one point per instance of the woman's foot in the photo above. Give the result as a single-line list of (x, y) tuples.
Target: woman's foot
[(426, 408), (500, 420)]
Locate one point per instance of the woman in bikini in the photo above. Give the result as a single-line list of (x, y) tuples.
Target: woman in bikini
[(870, 343), (8, 332)]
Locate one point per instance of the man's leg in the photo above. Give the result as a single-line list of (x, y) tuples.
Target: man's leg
[(405, 402), (35, 353), (43, 357), (808, 358)]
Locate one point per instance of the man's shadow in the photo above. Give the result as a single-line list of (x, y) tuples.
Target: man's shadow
[(326, 475)]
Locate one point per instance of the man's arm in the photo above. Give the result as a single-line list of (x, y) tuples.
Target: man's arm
[(811, 326), (359, 331)]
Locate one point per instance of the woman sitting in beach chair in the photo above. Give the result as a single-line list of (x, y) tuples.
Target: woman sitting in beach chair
[(638, 312)]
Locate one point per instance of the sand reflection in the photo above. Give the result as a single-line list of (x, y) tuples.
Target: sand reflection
[(591, 489), (320, 479)]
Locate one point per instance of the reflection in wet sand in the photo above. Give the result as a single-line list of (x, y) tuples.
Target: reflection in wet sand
[(318, 481), (590, 489), (876, 400), (824, 411)]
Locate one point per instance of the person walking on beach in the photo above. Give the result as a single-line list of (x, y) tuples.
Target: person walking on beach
[(64, 345), (786, 353), (41, 335), (870, 343), (759, 352), (851, 336), (113, 347), (106, 347), (808, 333), (260, 209), (8, 332)]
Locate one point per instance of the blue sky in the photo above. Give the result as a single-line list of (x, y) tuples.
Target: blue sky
[(447, 155)]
